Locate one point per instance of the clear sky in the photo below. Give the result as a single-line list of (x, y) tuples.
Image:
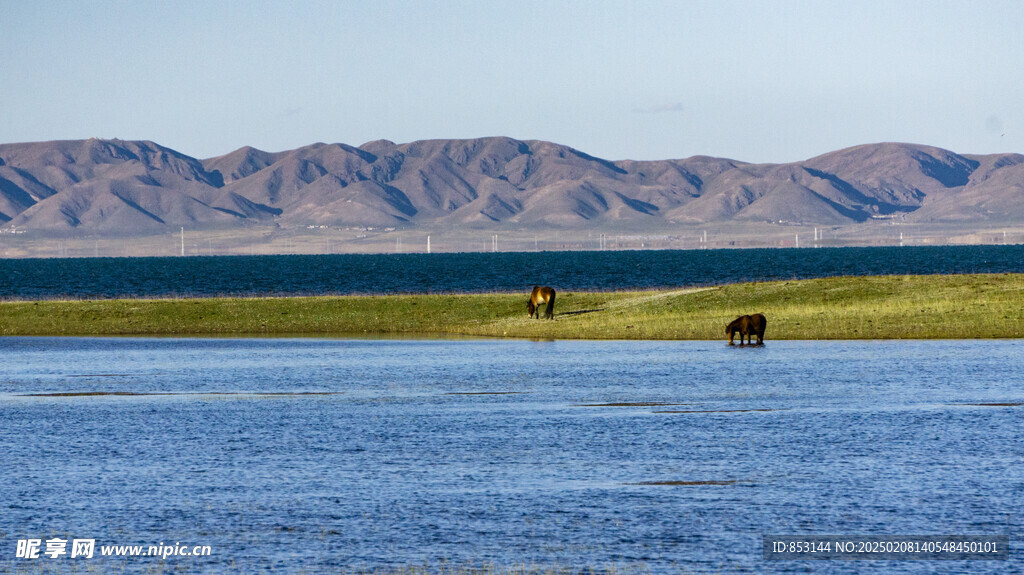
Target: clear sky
[(755, 81)]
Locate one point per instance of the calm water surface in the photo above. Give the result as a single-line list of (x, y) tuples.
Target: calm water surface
[(474, 451), (477, 272)]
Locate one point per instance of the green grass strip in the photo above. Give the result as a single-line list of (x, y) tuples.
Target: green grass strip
[(877, 307)]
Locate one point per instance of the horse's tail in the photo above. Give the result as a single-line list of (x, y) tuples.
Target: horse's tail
[(550, 310)]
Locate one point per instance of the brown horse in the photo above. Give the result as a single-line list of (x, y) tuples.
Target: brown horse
[(538, 296), (747, 325)]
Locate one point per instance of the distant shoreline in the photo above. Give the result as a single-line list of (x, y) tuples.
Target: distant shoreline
[(967, 306), (269, 240)]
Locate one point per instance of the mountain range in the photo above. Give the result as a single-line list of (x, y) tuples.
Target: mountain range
[(116, 186)]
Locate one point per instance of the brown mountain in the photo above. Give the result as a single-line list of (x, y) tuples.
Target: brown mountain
[(139, 186)]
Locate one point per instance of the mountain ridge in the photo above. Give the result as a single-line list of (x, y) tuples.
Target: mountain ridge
[(72, 186)]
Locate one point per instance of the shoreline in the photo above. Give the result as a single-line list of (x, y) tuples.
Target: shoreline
[(967, 306)]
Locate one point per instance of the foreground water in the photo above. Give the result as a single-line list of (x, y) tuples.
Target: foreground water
[(477, 272), (313, 455)]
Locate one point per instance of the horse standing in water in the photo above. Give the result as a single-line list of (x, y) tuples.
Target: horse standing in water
[(747, 325), (538, 296)]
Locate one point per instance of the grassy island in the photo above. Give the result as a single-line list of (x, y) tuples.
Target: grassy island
[(877, 307)]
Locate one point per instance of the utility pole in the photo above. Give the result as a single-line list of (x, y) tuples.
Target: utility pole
[(428, 244), (182, 240)]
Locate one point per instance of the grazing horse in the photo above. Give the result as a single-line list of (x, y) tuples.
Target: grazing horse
[(747, 325), (538, 296)]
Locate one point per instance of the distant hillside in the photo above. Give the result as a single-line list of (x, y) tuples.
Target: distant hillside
[(142, 187)]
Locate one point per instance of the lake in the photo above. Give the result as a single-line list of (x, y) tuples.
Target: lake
[(308, 455), (476, 272)]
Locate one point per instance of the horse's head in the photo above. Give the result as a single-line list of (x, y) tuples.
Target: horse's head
[(530, 307), (734, 326)]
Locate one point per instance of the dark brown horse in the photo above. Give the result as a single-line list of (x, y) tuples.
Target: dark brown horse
[(538, 296), (746, 326)]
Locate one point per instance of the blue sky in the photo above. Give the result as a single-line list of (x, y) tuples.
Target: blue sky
[(755, 81)]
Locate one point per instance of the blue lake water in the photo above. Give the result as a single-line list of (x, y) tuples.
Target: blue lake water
[(307, 455), (476, 272)]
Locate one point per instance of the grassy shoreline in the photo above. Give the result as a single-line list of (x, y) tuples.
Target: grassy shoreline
[(875, 307)]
